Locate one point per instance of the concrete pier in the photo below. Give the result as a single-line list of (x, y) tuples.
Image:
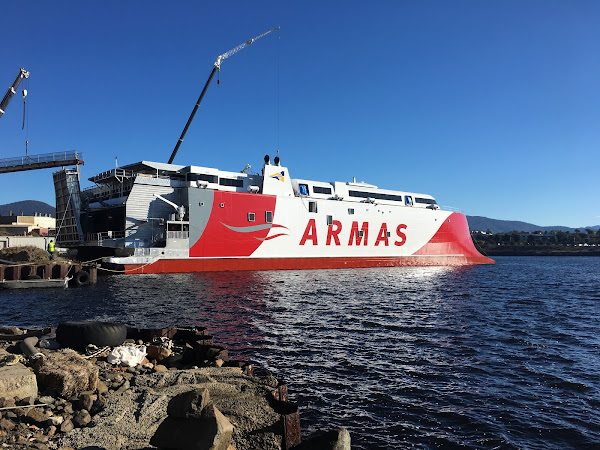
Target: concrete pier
[(80, 274)]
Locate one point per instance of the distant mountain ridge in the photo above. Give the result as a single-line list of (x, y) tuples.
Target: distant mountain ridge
[(479, 223), (27, 208), (476, 223)]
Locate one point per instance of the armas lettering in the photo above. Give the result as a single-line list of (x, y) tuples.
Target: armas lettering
[(357, 236)]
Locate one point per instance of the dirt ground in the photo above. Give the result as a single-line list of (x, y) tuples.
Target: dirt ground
[(27, 254)]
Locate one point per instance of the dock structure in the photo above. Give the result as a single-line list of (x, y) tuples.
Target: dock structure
[(77, 274), (41, 161)]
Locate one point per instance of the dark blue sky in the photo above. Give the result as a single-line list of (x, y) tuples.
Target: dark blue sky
[(492, 107)]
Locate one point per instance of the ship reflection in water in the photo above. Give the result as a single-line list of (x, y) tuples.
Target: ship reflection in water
[(475, 356)]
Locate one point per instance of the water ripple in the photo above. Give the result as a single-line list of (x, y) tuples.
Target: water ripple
[(503, 356)]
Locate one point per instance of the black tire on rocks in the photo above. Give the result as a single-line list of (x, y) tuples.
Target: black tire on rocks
[(78, 335)]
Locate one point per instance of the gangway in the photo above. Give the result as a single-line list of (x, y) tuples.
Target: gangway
[(41, 161)]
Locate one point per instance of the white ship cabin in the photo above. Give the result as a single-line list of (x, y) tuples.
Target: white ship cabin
[(132, 205), (361, 192)]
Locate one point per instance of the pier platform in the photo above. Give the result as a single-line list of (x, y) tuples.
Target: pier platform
[(77, 274)]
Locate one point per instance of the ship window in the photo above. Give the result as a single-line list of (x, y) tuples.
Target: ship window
[(375, 195), (269, 216), (250, 217), (303, 188), (202, 177), (329, 220), (427, 201), (312, 207), (350, 211), (361, 233), (174, 227), (321, 190), (186, 227), (231, 182), (388, 234), (408, 200)]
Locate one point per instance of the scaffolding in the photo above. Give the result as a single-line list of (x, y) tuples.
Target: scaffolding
[(68, 208)]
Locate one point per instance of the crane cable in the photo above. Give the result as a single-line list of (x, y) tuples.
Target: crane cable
[(25, 115)]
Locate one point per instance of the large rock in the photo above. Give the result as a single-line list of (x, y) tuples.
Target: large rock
[(17, 381), (212, 431), (66, 373), (157, 352), (338, 439), (131, 419), (188, 405)]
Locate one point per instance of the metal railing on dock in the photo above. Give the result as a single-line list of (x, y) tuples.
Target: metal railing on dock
[(41, 161)]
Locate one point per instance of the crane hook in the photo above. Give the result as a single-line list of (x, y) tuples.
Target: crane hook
[(24, 97)]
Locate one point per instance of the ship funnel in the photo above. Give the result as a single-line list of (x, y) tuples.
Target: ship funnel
[(276, 160), (267, 159)]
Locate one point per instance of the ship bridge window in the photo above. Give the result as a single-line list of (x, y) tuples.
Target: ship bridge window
[(202, 177), (426, 201), (231, 182), (321, 190), (268, 216), (303, 188), (408, 201), (376, 195)]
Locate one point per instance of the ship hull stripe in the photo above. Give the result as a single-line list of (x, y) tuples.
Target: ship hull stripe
[(242, 264)]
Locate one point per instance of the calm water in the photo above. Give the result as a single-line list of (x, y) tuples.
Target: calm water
[(503, 356)]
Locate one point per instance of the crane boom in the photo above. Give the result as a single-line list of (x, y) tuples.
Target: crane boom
[(12, 90), (216, 67)]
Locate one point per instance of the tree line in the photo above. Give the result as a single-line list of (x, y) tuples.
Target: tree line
[(585, 237)]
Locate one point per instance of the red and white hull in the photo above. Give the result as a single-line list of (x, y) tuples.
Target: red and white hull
[(374, 235)]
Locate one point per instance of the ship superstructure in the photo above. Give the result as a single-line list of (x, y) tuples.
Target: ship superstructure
[(174, 218)]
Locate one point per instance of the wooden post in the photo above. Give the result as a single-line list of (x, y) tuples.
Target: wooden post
[(64, 270)]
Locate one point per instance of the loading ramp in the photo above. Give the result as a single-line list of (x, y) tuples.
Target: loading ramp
[(41, 161)]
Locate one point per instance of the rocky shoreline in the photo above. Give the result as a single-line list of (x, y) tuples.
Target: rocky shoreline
[(166, 388)]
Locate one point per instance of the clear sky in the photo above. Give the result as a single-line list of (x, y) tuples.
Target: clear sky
[(493, 107)]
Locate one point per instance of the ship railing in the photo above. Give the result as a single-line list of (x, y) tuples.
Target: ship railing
[(100, 192), (117, 173), (178, 234), (142, 251), (99, 237), (42, 158), (451, 209)]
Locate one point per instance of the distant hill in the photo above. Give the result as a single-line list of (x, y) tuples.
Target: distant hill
[(478, 223), (27, 208)]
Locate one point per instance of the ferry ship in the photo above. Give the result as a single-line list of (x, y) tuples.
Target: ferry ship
[(152, 217)]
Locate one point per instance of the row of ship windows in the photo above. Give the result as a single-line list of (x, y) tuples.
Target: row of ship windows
[(396, 198), (316, 189), (304, 190), (215, 179), (268, 217)]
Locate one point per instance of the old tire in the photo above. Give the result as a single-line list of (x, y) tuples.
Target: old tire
[(79, 335), (82, 278)]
